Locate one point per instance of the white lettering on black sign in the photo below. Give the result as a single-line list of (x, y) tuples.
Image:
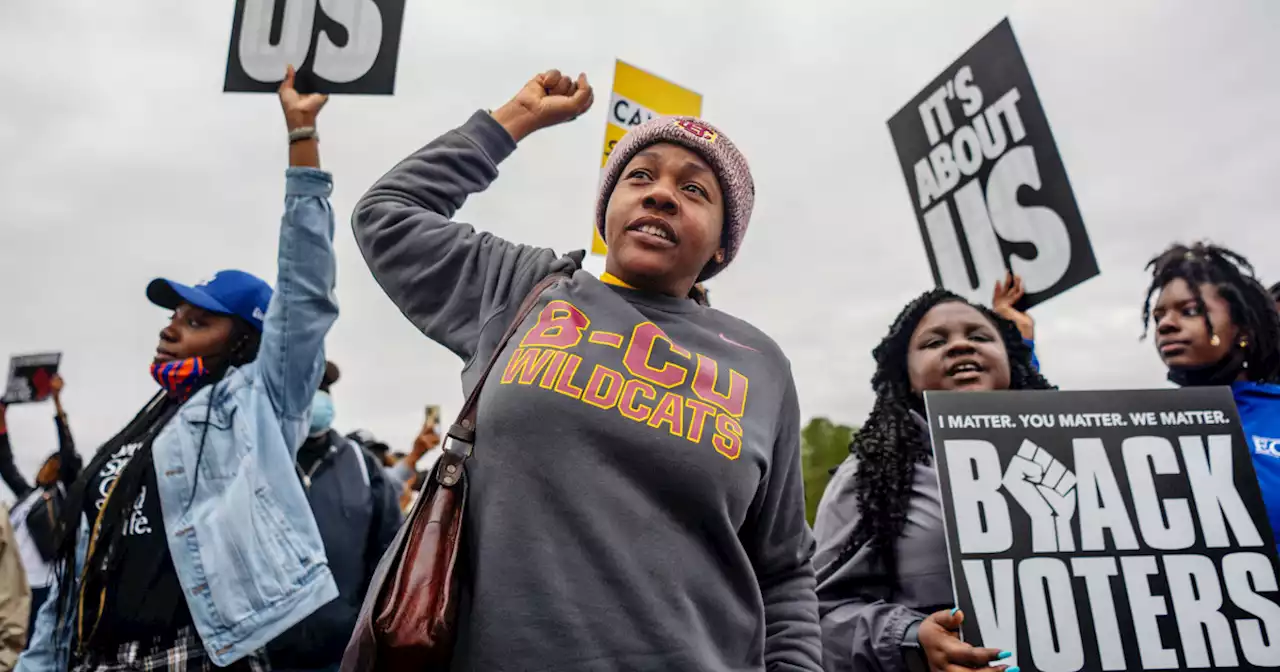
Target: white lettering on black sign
[(987, 182), (337, 46), (1132, 538)]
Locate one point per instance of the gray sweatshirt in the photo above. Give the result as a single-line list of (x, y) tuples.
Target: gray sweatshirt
[(863, 622), (636, 497)]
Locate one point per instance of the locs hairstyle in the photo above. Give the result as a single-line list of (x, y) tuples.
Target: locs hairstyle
[(1252, 308)]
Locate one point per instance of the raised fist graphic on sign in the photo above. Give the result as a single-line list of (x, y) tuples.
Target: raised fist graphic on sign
[(1046, 490)]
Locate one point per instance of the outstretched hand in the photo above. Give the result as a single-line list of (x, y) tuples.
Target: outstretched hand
[(546, 100), (299, 110)]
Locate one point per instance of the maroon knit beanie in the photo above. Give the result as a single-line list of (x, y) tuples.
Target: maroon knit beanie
[(729, 165)]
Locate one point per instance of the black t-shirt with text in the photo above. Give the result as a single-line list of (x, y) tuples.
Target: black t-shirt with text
[(143, 599)]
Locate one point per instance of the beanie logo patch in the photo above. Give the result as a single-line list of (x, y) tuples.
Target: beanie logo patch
[(697, 130)]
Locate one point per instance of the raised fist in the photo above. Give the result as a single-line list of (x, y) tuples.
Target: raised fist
[(1046, 490), (546, 100)]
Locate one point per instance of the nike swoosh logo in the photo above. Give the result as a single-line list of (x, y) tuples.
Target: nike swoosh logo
[(730, 341)]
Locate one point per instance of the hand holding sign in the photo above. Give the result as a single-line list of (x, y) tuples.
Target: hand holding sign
[(546, 100), (943, 650), (300, 111), (1047, 491), (428, 436), (1003, 301)]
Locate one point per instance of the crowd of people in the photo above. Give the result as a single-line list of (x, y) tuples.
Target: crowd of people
[(635, 496)]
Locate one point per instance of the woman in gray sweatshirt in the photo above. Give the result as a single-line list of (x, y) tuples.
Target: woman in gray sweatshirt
[(635, 499), (884, 578)]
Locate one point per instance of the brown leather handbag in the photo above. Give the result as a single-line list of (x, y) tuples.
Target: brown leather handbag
[(407, 621)]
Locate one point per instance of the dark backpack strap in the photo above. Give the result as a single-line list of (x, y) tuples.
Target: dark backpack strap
[(461, 437)]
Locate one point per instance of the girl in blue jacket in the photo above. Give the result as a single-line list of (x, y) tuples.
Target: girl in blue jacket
[(188, 543), (1216, 325)]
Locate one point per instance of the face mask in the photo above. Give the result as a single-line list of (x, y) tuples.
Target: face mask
[(321, 412), (180, 378), (1222, 372)]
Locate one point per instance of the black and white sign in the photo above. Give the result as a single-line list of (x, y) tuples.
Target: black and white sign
[(1107, 530), (986, 180), (30, 377), (337, 46)]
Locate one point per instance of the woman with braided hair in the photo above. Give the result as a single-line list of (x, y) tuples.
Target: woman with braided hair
[(187, 542), (882, 552), (1217, 325)]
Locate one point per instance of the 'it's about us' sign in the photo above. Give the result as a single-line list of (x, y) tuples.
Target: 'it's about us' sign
[(986, 180)]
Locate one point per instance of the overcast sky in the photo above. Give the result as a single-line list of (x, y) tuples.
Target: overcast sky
[(122, 160)]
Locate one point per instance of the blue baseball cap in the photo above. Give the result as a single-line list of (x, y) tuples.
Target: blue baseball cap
[(229, 292)]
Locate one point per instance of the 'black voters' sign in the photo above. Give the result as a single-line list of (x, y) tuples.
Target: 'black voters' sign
[(1107, 530), (986, 180), (337, 46)]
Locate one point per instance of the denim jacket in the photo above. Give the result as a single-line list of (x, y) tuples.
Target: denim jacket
[(244, 543)]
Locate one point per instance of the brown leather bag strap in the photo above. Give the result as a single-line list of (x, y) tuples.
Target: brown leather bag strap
[(461, 437)]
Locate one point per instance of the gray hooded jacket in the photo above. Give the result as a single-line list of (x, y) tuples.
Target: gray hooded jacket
[(865, 620)]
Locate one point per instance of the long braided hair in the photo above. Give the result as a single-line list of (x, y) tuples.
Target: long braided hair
[(1253, 310), (102, 563), (890, 443)]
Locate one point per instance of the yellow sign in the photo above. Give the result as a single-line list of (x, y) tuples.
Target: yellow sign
[(638, 97)]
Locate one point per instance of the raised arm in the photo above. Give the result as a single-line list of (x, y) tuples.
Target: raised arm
[(68, 459), (446, 277), (9, 472), (781, 548), (303, 307)]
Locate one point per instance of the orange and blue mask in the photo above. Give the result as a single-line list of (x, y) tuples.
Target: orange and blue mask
[(180, 378)]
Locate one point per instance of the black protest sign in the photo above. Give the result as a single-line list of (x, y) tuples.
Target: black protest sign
[(337, 46), (987, 183), (30, 377), (1107, 530)]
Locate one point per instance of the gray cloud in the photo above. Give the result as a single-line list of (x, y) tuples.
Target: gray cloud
[(124, 161)]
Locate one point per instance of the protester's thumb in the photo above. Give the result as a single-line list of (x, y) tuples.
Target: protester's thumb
[(952, 619), (582, 97)]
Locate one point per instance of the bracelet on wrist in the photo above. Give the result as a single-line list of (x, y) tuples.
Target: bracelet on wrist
[(303, 133)]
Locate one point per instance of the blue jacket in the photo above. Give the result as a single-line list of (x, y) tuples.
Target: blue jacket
[(358, 511), (244, 543), (1259, 406)]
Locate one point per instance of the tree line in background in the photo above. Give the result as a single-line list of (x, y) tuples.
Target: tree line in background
[(823, 446)]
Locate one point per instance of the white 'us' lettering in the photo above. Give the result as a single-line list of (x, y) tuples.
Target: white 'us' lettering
[(266, 62)]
